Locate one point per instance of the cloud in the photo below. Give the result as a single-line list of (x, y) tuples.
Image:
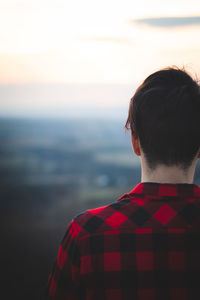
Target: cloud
[(168, 21)]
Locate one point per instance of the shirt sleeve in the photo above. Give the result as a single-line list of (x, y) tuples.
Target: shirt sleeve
[(64, 280)]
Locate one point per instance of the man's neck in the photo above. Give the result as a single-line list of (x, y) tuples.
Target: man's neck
[(165, 174)]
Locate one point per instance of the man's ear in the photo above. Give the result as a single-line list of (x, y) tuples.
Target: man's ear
[(135, 144)]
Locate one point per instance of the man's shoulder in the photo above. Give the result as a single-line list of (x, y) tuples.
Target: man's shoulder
[(102, 218)]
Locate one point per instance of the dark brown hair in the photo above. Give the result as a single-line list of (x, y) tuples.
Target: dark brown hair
[(164, 113)]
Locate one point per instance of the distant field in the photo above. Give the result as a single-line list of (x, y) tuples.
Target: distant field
[(120, 158), (101, 195)]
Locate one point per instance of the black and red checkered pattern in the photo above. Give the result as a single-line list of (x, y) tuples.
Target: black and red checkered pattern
[(144, 246)]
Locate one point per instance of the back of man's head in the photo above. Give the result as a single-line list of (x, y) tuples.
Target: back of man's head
[(164, 113)]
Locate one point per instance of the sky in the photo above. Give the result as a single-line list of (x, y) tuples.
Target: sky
[(71, 57)]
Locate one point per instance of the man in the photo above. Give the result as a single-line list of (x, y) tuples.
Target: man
[(146, 245)]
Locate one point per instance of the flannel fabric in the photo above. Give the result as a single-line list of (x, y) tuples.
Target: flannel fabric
[(145, 245)]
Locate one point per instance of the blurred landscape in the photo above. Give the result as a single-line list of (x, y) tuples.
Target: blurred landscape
[(50, 171)]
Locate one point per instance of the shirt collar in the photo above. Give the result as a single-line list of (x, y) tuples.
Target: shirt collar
[(158, 190)]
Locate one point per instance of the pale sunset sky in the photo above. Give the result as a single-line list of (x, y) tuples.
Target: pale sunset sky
[(61, 58)]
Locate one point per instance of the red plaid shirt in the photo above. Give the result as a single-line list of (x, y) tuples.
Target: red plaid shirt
[(146, 245)]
